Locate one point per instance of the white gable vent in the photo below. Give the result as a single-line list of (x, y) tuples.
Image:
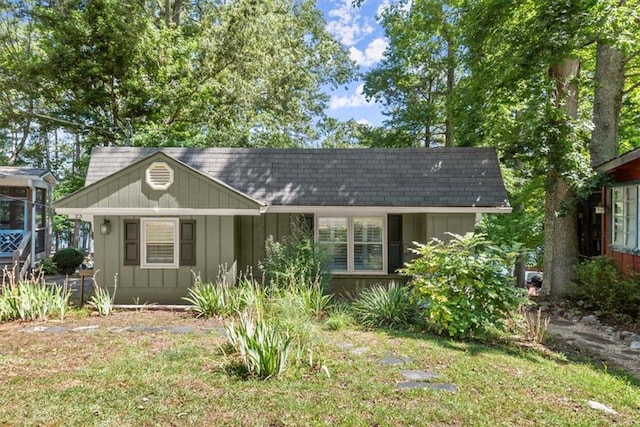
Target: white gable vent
[(159, 176)]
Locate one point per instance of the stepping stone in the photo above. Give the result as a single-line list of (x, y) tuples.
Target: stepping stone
[(57, 329), (138, 328), (408, 385), (394, 360), (345, 345), (600, 407), (419, 375), (36, 329), (117, 330), (182, 329), (360, 351), (90, 328), (153, 329)]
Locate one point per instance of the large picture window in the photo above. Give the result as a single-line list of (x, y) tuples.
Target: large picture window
[(625, 217), (160, 242), (354, 244)]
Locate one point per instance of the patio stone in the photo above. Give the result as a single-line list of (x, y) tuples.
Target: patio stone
[(182, 329), (345, 345), (419, 375), (36, 329), (394, 360), (90, 328), (117, 330), (57, 329), (408, 385), (360, 351)]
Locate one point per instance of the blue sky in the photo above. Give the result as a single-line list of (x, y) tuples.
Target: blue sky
[(358, 30)]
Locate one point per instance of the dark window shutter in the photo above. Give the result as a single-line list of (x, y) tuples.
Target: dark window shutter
[(188, 242), (394, 237), (131, 242)]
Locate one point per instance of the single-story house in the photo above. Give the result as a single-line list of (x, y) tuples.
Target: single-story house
[(25, 215), (619, 209), (160, 214)]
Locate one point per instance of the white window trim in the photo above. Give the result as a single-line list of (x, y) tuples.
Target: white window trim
[(625, 231), (176, 243), (351, 244)]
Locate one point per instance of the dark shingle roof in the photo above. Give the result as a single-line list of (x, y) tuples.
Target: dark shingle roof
[(415, 177), (23, 171)]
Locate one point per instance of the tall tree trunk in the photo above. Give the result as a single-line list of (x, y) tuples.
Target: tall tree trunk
[(607, 102), (561, 219), (451, 76)]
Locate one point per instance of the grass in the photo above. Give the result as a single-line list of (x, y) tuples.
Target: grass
[(137, 378)]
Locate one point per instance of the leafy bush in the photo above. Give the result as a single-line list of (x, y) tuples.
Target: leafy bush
[(263, 348), (295, 261), (67, 260), (385, 306), (33, 300), (46, 266), (605, 287), (463, 284)]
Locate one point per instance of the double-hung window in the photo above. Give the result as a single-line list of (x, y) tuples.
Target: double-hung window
[(160, 242), (354, 244), (625, 217)]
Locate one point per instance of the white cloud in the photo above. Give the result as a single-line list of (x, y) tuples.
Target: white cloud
[(363, 122), (349, 26), (350, 101), (374, 52)]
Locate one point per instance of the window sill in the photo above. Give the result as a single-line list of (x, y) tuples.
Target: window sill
[(624, 250)]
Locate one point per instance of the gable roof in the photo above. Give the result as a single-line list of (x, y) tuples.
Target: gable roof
[(26, 173), (618, 161), (417, 177)]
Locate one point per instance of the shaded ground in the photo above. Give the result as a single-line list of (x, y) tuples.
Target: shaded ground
[(603, 342)]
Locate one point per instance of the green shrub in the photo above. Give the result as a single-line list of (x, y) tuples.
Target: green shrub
[(463, 284), (606, 288), (67, 260), (385, 307), (263, 347), (295, 261), (47, 266)]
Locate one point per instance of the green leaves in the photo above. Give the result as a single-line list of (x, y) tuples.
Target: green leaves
[(465, 284)]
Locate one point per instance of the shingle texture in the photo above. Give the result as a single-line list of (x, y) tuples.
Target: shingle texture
[(20, 171), (420, 177)]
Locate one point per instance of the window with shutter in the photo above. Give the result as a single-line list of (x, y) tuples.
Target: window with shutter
[(160, 247), (354, 244)]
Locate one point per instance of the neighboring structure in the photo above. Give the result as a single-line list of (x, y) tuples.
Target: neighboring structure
[(25, 215), (619, 208), (161, 214)]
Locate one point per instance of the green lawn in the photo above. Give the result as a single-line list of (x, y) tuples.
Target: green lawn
[(142, 378)]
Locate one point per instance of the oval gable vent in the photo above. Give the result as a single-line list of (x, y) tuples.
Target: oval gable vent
[(159, 176)]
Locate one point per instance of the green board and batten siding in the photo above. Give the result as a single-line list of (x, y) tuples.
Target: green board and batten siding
[(214, 247), (128, 189)]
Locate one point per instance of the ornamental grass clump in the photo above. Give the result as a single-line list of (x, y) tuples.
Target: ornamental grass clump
[(385, 307), (102, 300), (263, 347), (210, 299), (463, 284), (32, 299)]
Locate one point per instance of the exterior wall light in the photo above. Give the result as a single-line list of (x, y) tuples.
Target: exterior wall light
[(105, 227)]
